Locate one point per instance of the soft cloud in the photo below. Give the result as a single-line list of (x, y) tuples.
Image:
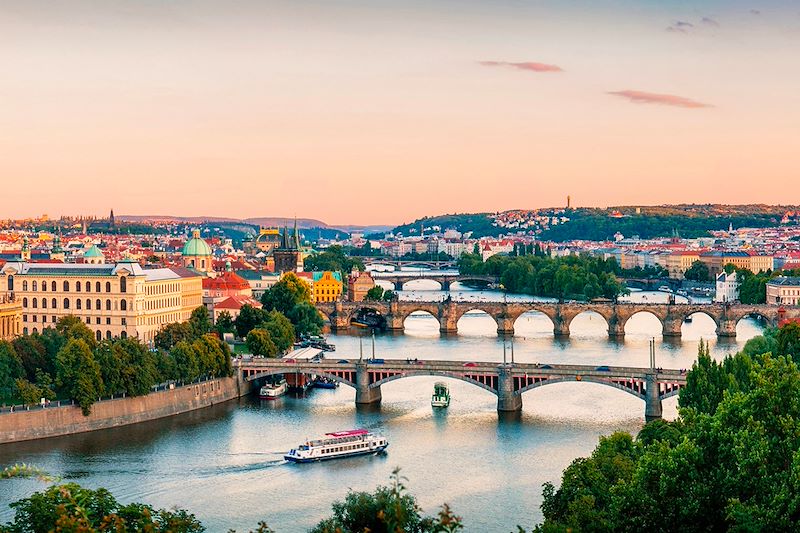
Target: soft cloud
[(708, 21), (529, 66), (642, 97), (680, 26)]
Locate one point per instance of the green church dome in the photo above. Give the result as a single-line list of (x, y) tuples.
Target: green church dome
[(94, 251), (196, 246)]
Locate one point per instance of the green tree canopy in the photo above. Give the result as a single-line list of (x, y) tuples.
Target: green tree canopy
[(698, 272), (259, 342), (306, 319), (281, 330), (10, 370), (78, 374), (286, 293)]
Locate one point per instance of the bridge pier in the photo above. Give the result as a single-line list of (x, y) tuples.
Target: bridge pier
[(616, 328), (508, 400), (561, 328), (505, 326), (394, 323), (726, 328), (364, 393), (445, 283), (652, 401), (672, 327)]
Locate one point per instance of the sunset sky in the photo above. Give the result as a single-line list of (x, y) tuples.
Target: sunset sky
[(381, 111)]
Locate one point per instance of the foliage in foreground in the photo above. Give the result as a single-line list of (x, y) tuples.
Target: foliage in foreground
[(72, 508), (731, 462)]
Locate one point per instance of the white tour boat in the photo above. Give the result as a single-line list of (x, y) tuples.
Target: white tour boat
[(338, 444), (271, 391)]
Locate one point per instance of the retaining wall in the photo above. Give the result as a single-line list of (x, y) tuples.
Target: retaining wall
[(66, 420)]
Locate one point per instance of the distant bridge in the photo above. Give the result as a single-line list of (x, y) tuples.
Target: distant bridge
[(448, 312), (400, 263), (507, 381), (443, 277)]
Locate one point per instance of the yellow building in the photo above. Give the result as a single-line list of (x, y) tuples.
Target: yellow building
[(679, 262), (114, 300), (358, 284), (326, 286), (10, 318)]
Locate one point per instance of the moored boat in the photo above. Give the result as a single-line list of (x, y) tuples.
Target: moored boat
[(271, 391), (441, 395), (337, 445), (322, 382)]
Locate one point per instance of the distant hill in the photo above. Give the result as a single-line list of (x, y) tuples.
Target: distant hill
[(270, 222)]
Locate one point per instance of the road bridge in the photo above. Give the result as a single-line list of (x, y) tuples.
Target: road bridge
[(400, 263), (443, 277), (508, 381), (448, 312)]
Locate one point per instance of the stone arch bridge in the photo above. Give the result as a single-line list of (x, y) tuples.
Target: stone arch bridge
[(507, 381), (443, 278), (448, 312)]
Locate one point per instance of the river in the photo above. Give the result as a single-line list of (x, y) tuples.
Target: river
[(224, 463)]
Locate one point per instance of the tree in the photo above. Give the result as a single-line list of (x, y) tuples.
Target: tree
[(374, 294), (10, 370), (138, 372), (280, 329), (28, 392), (172, 334), (388, 296), (698, 272), (387, 510), (32, 354), (259, 342), (72, 327), (333, 259), (306, 319), (78, 374), (186, 361), (285, 294), (249, 317), (110, 367), (788, 341), (224, 324), (213, 356), (73, 508), (199, 322)]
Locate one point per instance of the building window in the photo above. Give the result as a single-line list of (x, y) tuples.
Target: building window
[(108, 321), (11, 283), (88, 286), (35, 286), (108, 287), (78, 286), (25, 285), (66, 303), (97, 321), (53, 286), (53, 319), (25, 319), (88, 304), (98, 335), (98, 305), (24, 331), (123, 284), (24, 300), (53, 303), (66, 286), (34, 317), (123, 305), (78, 303), (108, 305), (124, 321), (123, 335), (97, 287), (88, 320), (44, 303), (108, 335), (44, 318)]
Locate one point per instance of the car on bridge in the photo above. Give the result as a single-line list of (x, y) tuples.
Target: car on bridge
[(470, 364), (603, 368), (376, 361), (342, 361)]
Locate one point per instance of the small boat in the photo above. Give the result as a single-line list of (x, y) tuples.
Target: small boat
[(322, 382), (441, 395), (271, 391), (337, 445)]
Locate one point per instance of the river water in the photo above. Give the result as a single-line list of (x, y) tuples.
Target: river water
[(224, 463)]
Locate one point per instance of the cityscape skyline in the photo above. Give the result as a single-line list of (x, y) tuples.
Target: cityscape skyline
[(389, 114)]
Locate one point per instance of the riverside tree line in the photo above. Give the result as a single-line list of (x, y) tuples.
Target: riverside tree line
[(729, 462), (67, 362)]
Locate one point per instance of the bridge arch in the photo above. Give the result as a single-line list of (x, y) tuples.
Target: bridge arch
[(640, 325), (279, 371), (477, 312), (632, 390), (687, 323), (402, 284), (421, 313), (531, 322), (491, 379), (587, 315)]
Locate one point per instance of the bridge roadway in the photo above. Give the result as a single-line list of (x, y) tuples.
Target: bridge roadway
[(443, 277), (399, 263), (507, 381), (448, 312)]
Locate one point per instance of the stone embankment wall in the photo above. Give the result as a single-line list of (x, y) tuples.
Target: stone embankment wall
[(66, 420)]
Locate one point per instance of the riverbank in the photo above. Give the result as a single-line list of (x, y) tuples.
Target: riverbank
[(19, 426)]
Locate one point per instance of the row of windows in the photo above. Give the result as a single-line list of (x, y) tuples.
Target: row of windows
[(87, 286), (345, 448), (162, 289), (123, 304), (98, 334), (54, 319)]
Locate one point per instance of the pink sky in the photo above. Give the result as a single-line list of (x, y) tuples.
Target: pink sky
[(381, 112)]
